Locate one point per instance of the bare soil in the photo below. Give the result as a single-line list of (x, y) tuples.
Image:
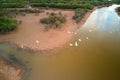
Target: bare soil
[(9, 70), (31, 33)]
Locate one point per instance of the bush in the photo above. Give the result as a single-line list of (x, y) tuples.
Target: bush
[(30, 10), (6, 12), (89, 6), (79, 13), (53, 19), (11, 5), (7, 25), (118, 10), (13, 12), (63, 5)]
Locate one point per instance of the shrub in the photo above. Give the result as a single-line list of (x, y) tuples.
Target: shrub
[(79, 13), (64, 5), (53, 19), (30, 10), (11, 5), (118, 10), (57, 23), (7, 25)]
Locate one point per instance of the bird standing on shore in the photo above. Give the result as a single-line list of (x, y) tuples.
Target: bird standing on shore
[(76, 44)]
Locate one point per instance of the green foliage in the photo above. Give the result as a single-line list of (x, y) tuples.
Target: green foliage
[(118, 10), (30, 10), (116, 1), (11, 5), (5, 12), (56, 1), (53, 19), (63, 5), (57, 23), (7, 25), (79, 13), (13, 12), (69, 4)]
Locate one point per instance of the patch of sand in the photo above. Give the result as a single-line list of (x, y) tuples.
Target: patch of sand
[(9, 70), (31, 34)]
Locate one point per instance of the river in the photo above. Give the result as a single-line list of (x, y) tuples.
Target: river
[(94, 53)]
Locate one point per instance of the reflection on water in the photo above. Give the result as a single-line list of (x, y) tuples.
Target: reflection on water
[(97, 56)]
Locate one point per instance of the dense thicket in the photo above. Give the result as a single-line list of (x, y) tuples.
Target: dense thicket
[(7, 25), (56, 1), (59, 1), (116, 1), (14, 12), (11, 5), (53, 19), (63, 5), (79, 13), (118, 11), (88, 4)]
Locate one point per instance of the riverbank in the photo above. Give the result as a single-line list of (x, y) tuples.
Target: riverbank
[(10, 70), (31, 33)]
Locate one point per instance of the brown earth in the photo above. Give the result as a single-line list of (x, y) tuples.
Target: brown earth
[(9, 70), (31, 33)]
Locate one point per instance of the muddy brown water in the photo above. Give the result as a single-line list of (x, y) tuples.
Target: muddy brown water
[(93, 53)]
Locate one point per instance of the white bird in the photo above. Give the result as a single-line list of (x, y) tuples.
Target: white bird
[(76, 44), (22, 46), (75, 32), (70, 44), (80, 40), (68, 32), (111, 32), (117, 30), (74, 23), (86, 37), (37, 41), (90, 30)]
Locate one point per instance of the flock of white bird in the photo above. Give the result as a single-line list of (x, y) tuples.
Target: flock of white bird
[(36, 41), (70, 44), (79, 40)]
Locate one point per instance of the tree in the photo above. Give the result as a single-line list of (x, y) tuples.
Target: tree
[(54, 19), (57, 23), (7, 25)]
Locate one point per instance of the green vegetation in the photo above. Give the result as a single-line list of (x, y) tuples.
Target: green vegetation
[(7, 25), (53, 19), (10, 13), (63, 5), (11, 5), (116, 1), (30, 10), (69, 4), (79, 13), (118, 10)]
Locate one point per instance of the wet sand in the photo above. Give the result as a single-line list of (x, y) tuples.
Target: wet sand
[(31, 33), (9, 70)]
